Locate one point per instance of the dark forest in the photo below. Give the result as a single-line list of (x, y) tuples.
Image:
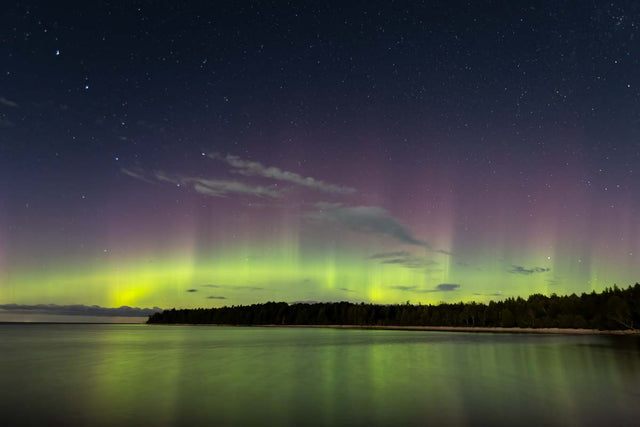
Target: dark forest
[(612, 309)]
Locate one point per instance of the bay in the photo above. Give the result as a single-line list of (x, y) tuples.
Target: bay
[(191, 375)]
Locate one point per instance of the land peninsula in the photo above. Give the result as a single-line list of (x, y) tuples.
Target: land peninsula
[(613, 310)]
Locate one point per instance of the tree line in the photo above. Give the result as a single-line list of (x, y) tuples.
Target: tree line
[(612, 309)]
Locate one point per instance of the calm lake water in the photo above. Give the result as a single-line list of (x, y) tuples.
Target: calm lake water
[(179, 375)]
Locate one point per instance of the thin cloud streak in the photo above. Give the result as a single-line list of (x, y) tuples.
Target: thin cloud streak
[(404, 259), (219, 188), (518, 269), (136, 174), (442, 287), (395, 254), (365, 219), (7, 103), (208, 187), (252, 168)]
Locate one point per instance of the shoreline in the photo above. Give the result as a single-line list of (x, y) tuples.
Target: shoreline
[(553, 331)]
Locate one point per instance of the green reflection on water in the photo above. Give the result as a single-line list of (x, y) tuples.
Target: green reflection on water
[(169, 375)]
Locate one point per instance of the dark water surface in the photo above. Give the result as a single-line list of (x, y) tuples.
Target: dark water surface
[(179, 375)]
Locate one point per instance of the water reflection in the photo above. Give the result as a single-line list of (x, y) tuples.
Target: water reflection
[(134, 374)]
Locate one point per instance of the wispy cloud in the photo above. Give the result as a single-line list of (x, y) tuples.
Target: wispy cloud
[(208, 187), (495, 294), (410, 262), (225, 187), (80, 310), (442, 287), (518, 269), (220, 188), (252, 168), (365, 219), (7, 103), (390, 255), (405, 288), (446, 287), (136, 174), (442, 251), (403, 258)]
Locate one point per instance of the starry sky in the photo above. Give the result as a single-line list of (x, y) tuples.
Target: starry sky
[(200, 154)]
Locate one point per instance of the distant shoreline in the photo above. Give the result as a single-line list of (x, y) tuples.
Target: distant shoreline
[(556, 331), (68, 323), (552, 331)]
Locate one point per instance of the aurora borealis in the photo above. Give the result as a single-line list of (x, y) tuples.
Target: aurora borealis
[(174, 155)]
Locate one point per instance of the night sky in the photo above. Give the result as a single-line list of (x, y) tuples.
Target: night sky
[(207, 154)]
